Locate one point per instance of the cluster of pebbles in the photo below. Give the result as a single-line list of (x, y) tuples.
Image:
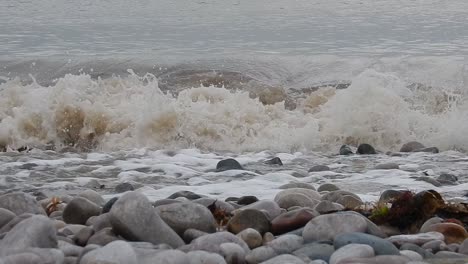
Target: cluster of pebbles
[(300, 225)]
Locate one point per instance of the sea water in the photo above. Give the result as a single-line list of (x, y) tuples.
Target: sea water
[(155, 93)]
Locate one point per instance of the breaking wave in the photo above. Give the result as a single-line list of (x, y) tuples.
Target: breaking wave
[(232, 112)]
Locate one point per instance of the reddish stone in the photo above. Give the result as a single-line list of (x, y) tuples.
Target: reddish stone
[(292, 220), (453, 233)]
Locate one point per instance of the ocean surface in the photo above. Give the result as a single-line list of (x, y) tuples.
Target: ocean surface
[(155, 93)]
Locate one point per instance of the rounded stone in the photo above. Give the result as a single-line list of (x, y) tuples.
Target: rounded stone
[(270, 208), (35, 231), (249, 218), (20, 203), (228, 164), (453, 233), (212, 242), (103, 237), (133, 218), (292, 220), (315, 251), (295, 199), (183, 216), (411, 146), (417, 239), (328, 187), (252, 237), (191, 234), (327, 227), (388, 195), (260, 254), (93, 196), (328, 207), (350, 251), (414, 256), (345, 150), (380, 245), (118, 252), (334, 196), (365, 149), (5, 216), (232, 253), (81, 238), (313, 195), (79, 210), (349, 202), (246, 200), (124, 187), (286, 244)]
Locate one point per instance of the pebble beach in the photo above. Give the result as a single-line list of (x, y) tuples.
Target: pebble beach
[(302, 223)]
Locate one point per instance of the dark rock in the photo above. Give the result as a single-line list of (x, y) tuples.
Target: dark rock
[(318, 168), (124, 187), (103, 237), (183, 216), (20, 203), (108, 205), (329, 187), (187, 194), (292, 220), (315, 251), (349, 201), (380, 245), (246, 200), (411, 146), (249, 218), (274, 161), (79, 210), (366, 149), (81, 238), (345, 150), (133, 217), (453, 233), (228, 164), (448, 179), (35, 231)]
